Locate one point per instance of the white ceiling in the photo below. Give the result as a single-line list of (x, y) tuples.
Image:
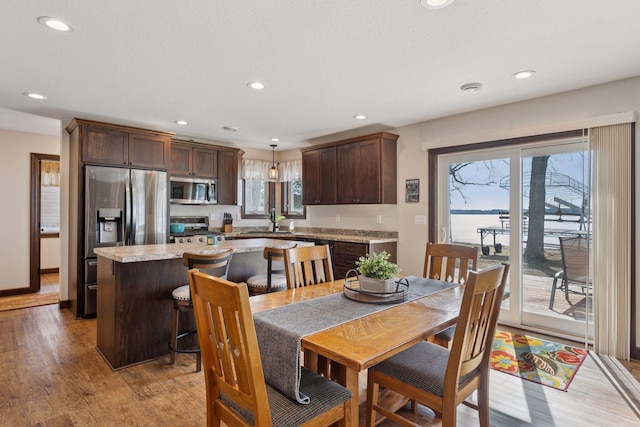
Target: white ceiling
[(148, 63)]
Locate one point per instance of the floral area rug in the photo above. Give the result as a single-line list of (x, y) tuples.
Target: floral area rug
[(534, 359)]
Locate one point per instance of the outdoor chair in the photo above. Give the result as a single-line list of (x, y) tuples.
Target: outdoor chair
[(449, 263), (575, 268), (441, 379), (237, 394)]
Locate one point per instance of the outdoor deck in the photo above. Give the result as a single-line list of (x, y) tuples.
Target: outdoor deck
[(537, 290)]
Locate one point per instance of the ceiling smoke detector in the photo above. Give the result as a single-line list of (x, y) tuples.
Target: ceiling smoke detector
[(230, 129), (471, 87)]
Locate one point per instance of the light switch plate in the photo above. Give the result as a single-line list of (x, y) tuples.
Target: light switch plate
[(378, 219), (337, 217), (420, 219)]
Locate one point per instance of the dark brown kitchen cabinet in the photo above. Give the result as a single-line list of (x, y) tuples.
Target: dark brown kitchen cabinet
[(319, 176), (367, 171), (227, 187), (361, 170), (195, 160), (345, 255), (121, 146)]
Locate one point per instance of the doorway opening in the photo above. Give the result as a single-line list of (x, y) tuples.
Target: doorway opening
[(45, 224)]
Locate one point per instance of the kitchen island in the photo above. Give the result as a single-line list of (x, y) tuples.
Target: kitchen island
[(134, 303)]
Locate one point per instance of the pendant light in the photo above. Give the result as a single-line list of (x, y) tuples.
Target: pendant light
[(273, 172)]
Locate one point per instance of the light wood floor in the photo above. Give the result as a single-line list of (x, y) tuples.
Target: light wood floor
[(49, 294), (52, 375)]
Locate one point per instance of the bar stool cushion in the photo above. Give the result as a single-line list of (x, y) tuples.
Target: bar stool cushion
[(182, 293), (278, 281)]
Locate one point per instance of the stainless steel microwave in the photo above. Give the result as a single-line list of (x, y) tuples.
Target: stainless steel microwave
[(193, 191)]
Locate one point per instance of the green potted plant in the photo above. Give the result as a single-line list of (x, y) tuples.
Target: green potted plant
[(376, 273)]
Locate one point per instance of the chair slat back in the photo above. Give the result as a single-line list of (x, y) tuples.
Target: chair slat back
[(575, 258), (229, 347), (477, 322), (442, 260), (216, 264), (308, 265)]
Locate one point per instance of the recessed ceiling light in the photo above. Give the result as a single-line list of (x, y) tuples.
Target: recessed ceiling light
[(34, 95), (275, 139), (230, 129), (359, 117), (523, 74), (255, 85), (471, 87), (56, 24), (435, 4), (182, 122)]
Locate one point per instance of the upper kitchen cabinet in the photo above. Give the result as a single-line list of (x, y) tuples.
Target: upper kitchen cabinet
[(363, 171), (195, 160), (106, 144), (227, 187), (319, 176)]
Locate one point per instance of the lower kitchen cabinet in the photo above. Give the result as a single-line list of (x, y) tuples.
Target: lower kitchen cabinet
[(345, 255)]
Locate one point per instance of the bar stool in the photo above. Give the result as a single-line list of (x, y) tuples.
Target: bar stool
[(214, 264), (274, 280)]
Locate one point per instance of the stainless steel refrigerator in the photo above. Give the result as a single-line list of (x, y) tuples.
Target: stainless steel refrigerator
[(122, 207)]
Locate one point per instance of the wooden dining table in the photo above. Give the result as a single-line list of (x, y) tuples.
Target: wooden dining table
[(358, 344)]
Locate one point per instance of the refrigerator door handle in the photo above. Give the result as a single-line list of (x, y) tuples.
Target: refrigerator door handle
[(127, 213), (134, 207)]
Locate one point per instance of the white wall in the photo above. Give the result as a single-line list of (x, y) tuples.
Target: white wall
[(15, 167)]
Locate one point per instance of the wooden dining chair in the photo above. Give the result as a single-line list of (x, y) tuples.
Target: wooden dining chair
[(308, 265), (216, 263), (237, 394), (441, 379), (450, 263), (275, 279)]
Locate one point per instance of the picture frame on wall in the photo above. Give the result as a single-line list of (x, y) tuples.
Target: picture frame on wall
[(412, 191)]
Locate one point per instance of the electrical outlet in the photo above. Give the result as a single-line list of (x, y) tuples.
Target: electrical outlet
[(337, 217), (378, 219), (238, 216)]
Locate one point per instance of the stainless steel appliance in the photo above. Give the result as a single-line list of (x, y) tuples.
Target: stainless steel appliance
[(193, 191), (196, 229), (122, 207)]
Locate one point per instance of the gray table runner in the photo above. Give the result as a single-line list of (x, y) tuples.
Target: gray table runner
[(281, 329)]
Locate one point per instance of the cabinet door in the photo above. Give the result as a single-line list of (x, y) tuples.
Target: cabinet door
[(327, 193), (319, 177), (104, 145), (347, 173), (368, 178), (180, 159), (227, 187), (148, 151), (205, 162)]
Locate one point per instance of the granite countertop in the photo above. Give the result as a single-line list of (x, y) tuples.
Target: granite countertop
[(333, 235), (125, 254)]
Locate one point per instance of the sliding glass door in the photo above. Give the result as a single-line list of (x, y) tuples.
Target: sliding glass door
[(518, 205)]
